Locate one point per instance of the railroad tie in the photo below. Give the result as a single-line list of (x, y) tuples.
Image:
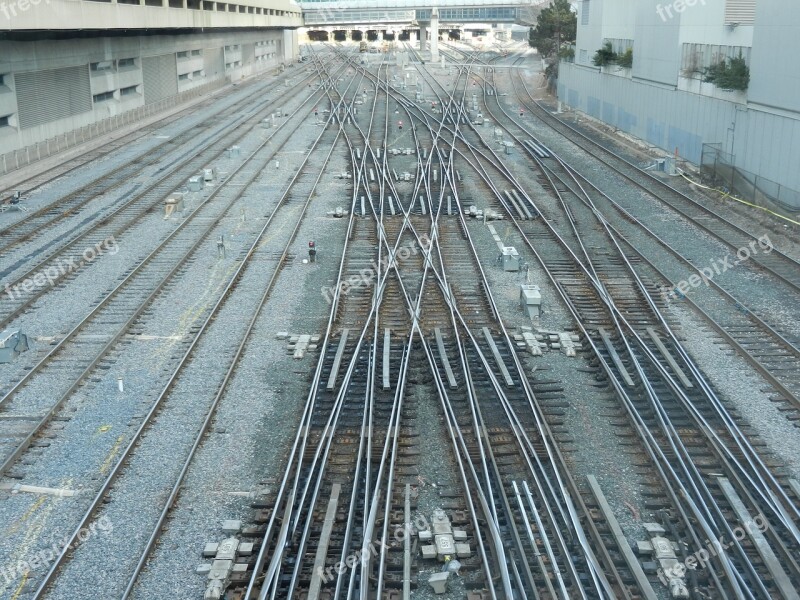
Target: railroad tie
[(337, 360), (443, 357), (615, 357), (387, 341), (779, 577), (498, 359), (669, 358), (645, 589), (324, 540)]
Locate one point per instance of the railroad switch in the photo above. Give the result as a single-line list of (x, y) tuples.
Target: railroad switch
[(13, 201), (509, 258), (447, 542), (671, 571), (530, 298), (12, 343), (298, 345), (224, 566), (338, 212), (173, 204)]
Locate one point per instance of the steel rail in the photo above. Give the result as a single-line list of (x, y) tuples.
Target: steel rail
[(25, 443), (119, 466)]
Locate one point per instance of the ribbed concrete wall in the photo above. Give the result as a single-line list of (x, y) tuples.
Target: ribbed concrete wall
[(66, 15), (123, 73), (762, 142)]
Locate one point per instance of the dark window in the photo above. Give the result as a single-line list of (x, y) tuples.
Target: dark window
[(104, 97), (128, 91), (126, 62), (106, 65), (4, 121), (183, 76), (197, 74)]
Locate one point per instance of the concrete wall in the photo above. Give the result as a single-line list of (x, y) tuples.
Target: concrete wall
[(33, 15), (774, 73), (175, 64), (762, 142), (606, 19)]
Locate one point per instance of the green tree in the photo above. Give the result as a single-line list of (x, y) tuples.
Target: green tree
[(732, 74), (604, 56), (556, 25), (626, 58)]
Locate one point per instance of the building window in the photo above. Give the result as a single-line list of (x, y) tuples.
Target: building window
[(184, 54), (5, 121), (197, 52), (104, 97), (128, 91), (196, 74), (696, 58), (584, 57), (99, 67), (585, 12), (183, 76), (126, 62)]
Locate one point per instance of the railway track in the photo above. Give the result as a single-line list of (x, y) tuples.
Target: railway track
[(772, 353), (42, 220), (416, 350), (598, 275), (488, 503), (65, 257), (74, 357), (167, 414), (85, 159)]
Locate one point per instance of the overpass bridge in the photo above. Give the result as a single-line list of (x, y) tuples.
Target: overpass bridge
[(324, 13)]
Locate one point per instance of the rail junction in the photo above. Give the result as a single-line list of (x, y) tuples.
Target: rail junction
[(497, 387)]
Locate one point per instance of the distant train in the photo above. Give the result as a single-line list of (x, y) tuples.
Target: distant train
[(362, 47)]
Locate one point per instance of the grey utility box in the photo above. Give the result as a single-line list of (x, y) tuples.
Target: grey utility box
[(12, 344), (531, 299), (195, 183), (510, 259)]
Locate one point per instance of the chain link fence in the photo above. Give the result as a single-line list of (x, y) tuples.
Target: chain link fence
[(718, 169)]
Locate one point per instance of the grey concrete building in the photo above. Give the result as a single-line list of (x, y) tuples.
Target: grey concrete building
[(751, 136), (72, 68)]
